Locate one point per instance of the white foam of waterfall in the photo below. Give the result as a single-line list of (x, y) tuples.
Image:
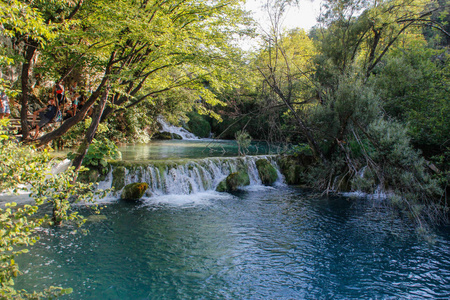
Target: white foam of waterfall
[(166, 127), (194, 177), (186, 201)]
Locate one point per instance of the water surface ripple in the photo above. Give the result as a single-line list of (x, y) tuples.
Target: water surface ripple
[(275, 243)]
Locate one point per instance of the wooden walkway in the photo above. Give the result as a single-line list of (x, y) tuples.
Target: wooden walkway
[(15, 127)]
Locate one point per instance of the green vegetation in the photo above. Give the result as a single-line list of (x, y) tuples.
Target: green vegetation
[(362, 97), (243, 140), (25, 169), (367, 91)]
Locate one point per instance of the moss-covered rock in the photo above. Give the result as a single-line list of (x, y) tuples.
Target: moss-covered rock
[(166, 136), (293, 168), (118, 181), (134, 191), (266, 171), (162, 136), (237, 179), (176, 136), (222, 187), (233, 182)]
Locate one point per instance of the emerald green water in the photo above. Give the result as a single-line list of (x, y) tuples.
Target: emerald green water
[(258, 243), (280, 243), (174, 149)]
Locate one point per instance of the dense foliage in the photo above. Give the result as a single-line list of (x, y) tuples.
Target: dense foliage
[(363, 95), (371, 99)]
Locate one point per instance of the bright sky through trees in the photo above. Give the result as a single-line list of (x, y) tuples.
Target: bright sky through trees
[(303, 16)]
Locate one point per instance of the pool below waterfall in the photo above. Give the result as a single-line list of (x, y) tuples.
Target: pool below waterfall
[(261, 242)]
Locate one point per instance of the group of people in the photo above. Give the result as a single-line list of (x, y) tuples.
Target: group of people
[(59, 108)]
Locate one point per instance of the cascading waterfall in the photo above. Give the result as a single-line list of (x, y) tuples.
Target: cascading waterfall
[(182, 177), (185, 135)]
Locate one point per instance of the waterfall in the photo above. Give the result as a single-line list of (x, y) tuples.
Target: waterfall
[(185, 177), (166, 127)]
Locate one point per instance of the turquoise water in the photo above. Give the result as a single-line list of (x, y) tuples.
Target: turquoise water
[(174, 149), (260, 243)]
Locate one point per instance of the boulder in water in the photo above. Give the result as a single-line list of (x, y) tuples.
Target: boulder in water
[(266, 171), (233, 182), (164, 135), (134, 191), (294, 167)]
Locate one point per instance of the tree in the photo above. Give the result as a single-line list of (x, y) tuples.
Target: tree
[(285, 68), (22, 168), (31, 25), (139, 50)]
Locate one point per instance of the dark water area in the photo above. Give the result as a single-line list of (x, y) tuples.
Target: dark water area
[(259, 243)]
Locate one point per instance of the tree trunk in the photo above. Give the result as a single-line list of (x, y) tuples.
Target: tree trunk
[(69, 123), (90, 134), (26, 69)]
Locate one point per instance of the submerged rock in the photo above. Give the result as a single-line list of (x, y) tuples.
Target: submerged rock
[(233, 182), (266, 171), (134, 191)]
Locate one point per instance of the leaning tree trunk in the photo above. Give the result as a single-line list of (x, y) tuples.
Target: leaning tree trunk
[(69, 123), (92, 130), (26, 69)]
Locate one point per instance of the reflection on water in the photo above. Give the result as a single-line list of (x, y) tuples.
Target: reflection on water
[(266, 243), (173, 149)]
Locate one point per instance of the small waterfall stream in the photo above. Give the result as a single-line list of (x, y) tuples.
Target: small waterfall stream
[(166, 127), (185, 177)]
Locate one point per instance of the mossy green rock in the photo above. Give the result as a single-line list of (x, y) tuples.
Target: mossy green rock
[(166, 136), (294, 167), (222, 187), (233, 182), (162, 136), (266, 171), (118, 181), (134, 191)]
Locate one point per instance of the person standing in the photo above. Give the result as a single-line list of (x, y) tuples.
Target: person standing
[(58, 92), (4, 105)]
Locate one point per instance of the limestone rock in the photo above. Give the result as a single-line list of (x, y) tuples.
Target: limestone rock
[(134, 191), (266, 171), (233, 182), (164, 135), (118, 175)]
